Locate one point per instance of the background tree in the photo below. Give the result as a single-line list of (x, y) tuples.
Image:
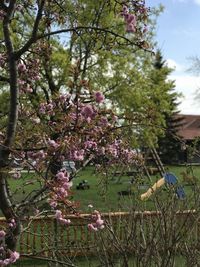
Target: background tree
[(169, 145)]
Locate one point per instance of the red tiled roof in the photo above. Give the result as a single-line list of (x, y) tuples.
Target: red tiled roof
[(190, 128)]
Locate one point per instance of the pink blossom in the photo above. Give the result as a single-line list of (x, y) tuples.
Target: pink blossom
[(21, 82), (53, 204), (40, 154), (91, 227), (2, 234), (61, 192), (46, 108), (130, 28), (124, 10), (90, 145), (64, 97), (58, 214), (78, 155), (21, 67), (67, 185), (99, 97), (42, 108), (62, 176), (16, 175), (104, 121), (112, 149), (87, 111), (130, 19), (14, 256), (12, 223), (98, 223), (49, 106), (60, 218), (6, 262), (114, 118), (37, 77), (64, 221), (28, 89), (37, 155), (52, 144)]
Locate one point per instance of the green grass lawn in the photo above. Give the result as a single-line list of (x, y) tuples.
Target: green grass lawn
[(103, 193), (105, 197)]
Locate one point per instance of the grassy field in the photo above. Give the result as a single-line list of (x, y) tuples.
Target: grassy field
[(103, 193)]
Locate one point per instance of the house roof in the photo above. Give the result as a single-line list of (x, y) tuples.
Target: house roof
[(190, 129)]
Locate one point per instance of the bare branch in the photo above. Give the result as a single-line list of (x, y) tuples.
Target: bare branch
[(97, 29), (33, 37)]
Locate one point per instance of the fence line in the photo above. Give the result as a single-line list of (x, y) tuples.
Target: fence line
[(45, 235)]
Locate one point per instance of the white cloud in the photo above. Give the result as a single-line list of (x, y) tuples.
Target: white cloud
[(181, 1), (187, 1), (188, 86), (174, 65)]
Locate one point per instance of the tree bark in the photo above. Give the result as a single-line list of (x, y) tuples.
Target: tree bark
[(5, 203)]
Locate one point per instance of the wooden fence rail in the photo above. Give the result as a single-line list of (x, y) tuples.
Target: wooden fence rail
[(44, 236)]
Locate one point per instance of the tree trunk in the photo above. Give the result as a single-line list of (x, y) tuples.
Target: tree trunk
[(5, 202)]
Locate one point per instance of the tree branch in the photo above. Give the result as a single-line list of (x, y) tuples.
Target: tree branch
[(105, 30), (75, 29), (33, 37)]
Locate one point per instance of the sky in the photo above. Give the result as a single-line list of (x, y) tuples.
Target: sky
[(178, 37)]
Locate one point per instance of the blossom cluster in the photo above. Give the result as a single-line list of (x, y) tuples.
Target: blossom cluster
[(60, 188), (61, 219), (12, 223), (7, 256), (98, 223), (28, 75), (135, 18), (127, 155), (130, 20), (13, 257), (47, 108)]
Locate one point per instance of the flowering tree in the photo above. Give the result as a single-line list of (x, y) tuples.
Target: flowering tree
[(53, 112)]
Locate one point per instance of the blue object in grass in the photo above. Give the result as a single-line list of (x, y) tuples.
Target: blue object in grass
[(180, 192), (171, 179)]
